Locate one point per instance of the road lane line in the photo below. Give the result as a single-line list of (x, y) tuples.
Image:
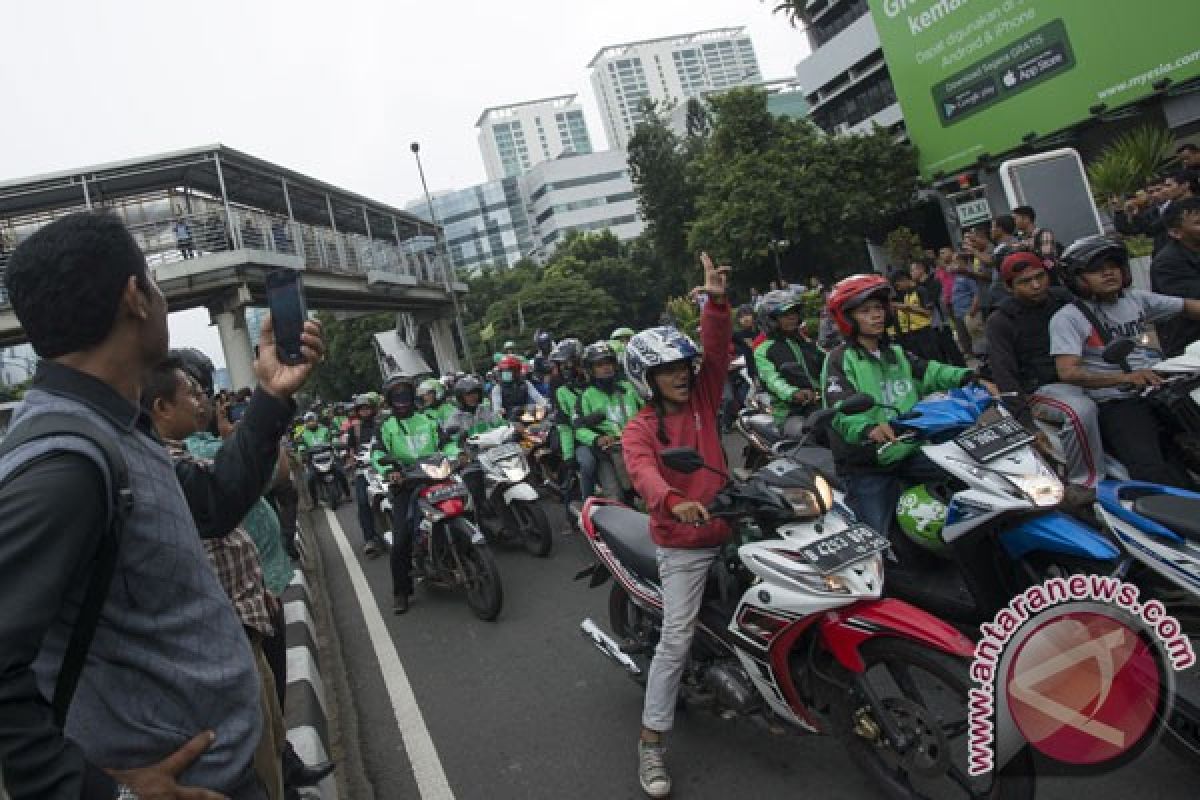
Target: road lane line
[(422, 754)]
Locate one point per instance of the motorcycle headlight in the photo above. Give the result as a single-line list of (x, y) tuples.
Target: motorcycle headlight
[(810, 502), (1042, 488), (437, 471)]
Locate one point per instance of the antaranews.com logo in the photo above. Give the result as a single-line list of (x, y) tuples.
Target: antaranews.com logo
[(1077, 667)]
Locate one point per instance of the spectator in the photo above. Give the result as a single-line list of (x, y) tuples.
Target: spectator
[(964, 301), (1149, 220), (929, 292), (169, 671), (1189, 156), (1039, 241), (1004, 241), (913, 321), (1176, 272), (944, 273), (183, 238)]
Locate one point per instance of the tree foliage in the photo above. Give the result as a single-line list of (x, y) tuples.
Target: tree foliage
[(763, 178), (903, 247), (1130, 161), (350, 366)]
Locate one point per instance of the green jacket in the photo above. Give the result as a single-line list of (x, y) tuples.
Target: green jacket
[(772, 354), (618, 407), (441, 412), (899, 382), (481, 420), (566, 400), (407, 440), (313, 437)]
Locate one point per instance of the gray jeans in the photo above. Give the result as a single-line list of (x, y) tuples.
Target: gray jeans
[(1078, 421), (683, 573)]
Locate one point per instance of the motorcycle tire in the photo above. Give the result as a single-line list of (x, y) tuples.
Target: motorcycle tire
[(1015, 781), (533, 527), (485, 595)]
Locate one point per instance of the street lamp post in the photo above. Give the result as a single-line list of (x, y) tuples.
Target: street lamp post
[(775, 245), (448, 265)]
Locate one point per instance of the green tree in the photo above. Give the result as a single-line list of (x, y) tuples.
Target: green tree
[(564, 304), (903, 247), (350, 366), (1130, 161), (763, 178)]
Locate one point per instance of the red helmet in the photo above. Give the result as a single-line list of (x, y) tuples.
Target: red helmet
[(850, 293), (513, 364)]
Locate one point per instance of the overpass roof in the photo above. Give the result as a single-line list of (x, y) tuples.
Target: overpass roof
[(249, 182)]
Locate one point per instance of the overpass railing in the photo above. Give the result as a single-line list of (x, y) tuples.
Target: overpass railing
[(208, 231)]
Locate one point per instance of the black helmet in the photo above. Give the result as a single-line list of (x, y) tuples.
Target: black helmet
[(465, 385), (566, 350), (198, 366), (597, 352), (1088, 253)]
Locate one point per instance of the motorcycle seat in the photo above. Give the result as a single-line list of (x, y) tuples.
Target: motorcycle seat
[(628, 534), (1180, 514)]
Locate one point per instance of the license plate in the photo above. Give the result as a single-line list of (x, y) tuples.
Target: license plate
[(445, 493), (840, 549), (992, 441)]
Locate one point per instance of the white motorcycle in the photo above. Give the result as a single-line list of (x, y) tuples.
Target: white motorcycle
[(501, 465)]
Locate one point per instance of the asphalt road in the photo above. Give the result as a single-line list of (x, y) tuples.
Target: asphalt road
[(526, 708)]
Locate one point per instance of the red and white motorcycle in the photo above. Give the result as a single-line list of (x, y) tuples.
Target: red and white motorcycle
[(794, 632)]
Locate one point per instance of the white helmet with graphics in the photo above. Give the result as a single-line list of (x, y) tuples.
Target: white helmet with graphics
[(657, 347)]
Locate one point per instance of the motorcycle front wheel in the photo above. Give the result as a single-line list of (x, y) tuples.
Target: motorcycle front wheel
[(533, 527), (924, 693), (485, 595)]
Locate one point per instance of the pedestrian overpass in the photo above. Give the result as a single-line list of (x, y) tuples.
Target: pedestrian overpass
[(213, 222)]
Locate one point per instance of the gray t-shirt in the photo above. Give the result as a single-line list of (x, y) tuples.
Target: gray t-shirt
[(1072, 335)]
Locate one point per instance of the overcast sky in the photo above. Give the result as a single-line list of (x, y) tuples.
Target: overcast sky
[(334, 90)]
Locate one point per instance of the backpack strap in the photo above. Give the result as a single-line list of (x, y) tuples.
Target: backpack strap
[(1090, 316), (120, 506)]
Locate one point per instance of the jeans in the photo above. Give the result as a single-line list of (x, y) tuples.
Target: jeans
[(403, 498), (872, 496), (684, 574), (1078, 420), (586, 458), (366, 520), (1133, 431)]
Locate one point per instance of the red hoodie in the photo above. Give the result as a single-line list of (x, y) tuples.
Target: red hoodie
[(695, 426)]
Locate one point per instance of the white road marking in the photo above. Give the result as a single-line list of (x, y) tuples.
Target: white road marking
[(422, 755)]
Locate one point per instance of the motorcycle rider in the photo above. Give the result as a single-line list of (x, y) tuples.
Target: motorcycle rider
[(875, 466), (683, 392), (618, 400), (568, 386), (431, 400), (512, 392), (473, 415), (785, 343), (407, 436), (618, 340), (314, 435), (1018, 336), (1097, 269), (364, 427)]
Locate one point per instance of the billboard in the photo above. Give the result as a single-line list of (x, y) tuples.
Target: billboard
[(975, 76)]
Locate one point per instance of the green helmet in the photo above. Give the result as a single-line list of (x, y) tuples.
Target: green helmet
[(622, 333), (922, 515), (432, 385)]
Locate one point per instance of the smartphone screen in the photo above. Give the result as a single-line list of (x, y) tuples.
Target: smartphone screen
[(285, 298)]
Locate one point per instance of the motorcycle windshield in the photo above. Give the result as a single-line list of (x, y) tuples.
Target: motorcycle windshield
[(956, 410)]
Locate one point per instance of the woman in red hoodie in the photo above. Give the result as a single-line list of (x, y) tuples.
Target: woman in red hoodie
[(683, 393)]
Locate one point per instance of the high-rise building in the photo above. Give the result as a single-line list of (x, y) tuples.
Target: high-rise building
[(667, 70), (845, 78), (580, 193), (513, 138), (484, 224)]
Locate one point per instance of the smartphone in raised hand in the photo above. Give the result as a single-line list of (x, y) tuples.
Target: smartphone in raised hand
[(285, 298)]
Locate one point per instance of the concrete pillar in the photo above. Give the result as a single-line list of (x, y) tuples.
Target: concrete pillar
[(235, 341), (441, 331)]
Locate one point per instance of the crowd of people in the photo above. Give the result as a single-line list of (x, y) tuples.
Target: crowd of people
[(143, 639)]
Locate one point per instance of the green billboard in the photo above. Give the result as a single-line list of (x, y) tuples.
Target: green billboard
[(977, 76)]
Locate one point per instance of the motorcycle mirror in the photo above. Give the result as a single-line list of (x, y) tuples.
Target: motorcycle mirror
[(1117, 352), (682, 459), (793, 372)]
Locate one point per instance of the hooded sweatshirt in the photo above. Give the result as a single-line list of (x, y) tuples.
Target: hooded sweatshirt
[(694, 426)]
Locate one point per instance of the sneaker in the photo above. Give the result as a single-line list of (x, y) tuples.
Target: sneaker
[(652, 769)]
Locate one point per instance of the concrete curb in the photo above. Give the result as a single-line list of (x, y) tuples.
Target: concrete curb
[(306, 714)]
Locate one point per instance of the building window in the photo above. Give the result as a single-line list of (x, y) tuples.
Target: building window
[(833, 22), (858, 103)]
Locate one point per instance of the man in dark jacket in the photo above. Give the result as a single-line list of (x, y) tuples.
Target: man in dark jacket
[(1176, 272), (1018, 336)]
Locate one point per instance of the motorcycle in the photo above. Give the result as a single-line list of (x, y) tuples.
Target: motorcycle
[(537, 428), (999, 497), (320, 460), (449, 550), (378, 496), (507, 490), (793, 631), (611, 475)]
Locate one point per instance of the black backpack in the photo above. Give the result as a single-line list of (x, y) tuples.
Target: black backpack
[(120, 505)]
